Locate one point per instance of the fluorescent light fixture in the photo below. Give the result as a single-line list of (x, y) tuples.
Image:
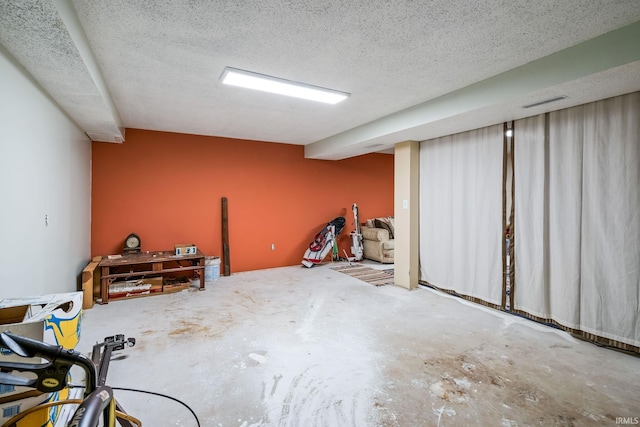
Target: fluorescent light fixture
[(250, 80), (509, 133)]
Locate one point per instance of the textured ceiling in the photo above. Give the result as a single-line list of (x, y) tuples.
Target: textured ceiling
[(415, 69)]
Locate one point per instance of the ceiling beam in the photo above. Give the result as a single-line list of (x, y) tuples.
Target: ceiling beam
[(610, 50), (46, 38), (76, 33)]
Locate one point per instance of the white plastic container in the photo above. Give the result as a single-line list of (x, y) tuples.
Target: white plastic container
[(211, 269)]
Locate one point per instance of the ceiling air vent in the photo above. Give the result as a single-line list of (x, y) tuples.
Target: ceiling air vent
[(103, 137), (546, 101)]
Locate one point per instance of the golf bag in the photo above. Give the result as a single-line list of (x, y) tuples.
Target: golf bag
[(323, 242)]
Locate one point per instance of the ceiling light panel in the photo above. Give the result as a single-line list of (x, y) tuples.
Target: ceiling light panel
[(265, 83)]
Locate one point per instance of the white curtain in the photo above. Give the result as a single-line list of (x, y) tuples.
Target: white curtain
[(461, 213), (529, 224), (577, 217)]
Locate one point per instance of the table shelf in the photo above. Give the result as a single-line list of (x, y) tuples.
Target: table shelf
[(144, 264)]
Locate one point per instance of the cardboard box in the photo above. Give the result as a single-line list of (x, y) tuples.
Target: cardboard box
[(48, 417), (190, 249), (13, 405), (91, 283), (175, 287), (12, 317), (137, 287), (53, 319)]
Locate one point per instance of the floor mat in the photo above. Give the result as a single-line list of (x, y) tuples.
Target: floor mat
[(367, 274)]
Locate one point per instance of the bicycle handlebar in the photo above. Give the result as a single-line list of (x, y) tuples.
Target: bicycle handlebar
[(52, 376)]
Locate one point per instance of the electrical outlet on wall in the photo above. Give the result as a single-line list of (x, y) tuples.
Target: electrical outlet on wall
[(273, 246)]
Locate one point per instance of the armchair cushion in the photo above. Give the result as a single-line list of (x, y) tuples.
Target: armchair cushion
[(385, 224), (375, 234)]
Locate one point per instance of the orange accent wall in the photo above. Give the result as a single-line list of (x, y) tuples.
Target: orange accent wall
[(167, 188)]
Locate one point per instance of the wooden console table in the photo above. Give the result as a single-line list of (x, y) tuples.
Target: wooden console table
[(147, 264)]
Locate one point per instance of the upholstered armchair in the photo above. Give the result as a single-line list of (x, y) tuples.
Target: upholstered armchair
[(377, 240)]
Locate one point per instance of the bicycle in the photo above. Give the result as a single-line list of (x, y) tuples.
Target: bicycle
[(98, 402)]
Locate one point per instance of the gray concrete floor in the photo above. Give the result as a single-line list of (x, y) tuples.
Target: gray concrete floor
[(313, 347)]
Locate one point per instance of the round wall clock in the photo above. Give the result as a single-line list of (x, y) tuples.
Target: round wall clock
[(132, 244)]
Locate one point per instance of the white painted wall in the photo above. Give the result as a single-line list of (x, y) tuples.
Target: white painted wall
[(45, 169)]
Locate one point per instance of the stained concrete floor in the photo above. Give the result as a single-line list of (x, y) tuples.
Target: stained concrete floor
[(313, 347)]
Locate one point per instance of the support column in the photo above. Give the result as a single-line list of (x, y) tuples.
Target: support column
[(405, 206)]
